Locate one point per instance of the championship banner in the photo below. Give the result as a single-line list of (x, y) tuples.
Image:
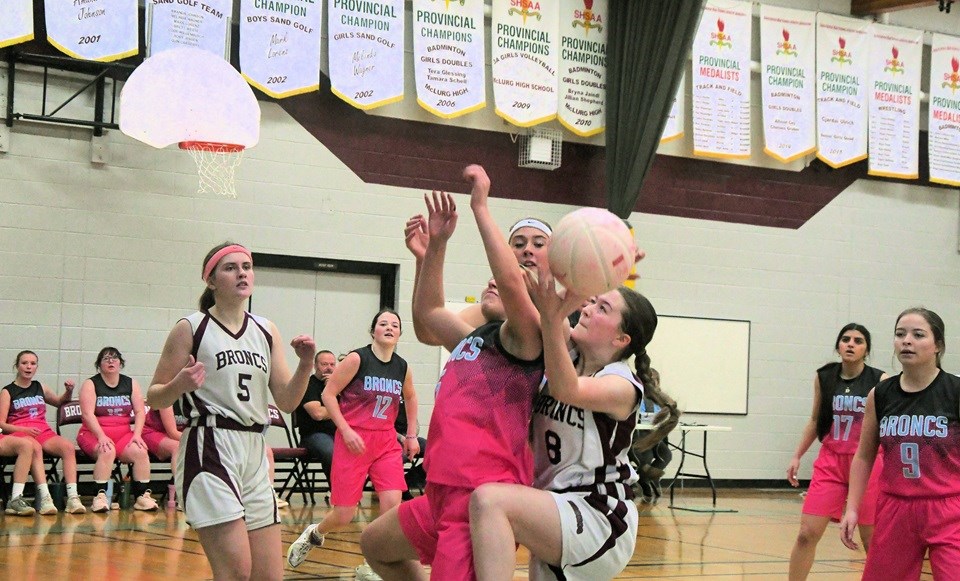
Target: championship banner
[(366, 51), (721, 80), (95, 30), (16, 26), (448, 56), (523, 55), (674, 127), (894, 128), (280, 45), (944, 125), (788, 55), (842, 45), (583, 66), (176, 23)]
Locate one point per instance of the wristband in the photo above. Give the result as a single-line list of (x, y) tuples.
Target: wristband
[(410, 437)]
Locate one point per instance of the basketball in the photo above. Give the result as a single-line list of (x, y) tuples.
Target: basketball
[(591, 251)]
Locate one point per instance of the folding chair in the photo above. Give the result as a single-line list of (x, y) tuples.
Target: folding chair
[(312, 470), (292, 457)]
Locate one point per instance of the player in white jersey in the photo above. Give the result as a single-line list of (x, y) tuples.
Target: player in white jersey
[(220, 362), (583, 524)]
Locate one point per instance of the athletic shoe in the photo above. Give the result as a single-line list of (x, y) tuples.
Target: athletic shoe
[(281, 503), (74, 506), (100, 502), (297, 553), (47, 507), (19, 507), (366, 573), (146, 502)]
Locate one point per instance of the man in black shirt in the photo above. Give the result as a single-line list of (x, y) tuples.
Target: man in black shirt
[(313, 421)]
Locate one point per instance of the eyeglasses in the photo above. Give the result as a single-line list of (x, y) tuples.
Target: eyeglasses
[(109, 358)]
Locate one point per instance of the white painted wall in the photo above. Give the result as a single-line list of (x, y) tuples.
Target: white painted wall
[(92, 255)]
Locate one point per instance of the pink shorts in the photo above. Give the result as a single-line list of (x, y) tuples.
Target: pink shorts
[(45, 432), (437, 524), (827, 495), (152, 439), (382, 460), (121, 436), (906, 529)]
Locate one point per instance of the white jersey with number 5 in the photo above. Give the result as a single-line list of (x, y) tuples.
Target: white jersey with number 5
[(577, 450), (237, 369)]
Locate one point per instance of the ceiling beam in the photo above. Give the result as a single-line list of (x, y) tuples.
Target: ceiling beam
[(868, 7)]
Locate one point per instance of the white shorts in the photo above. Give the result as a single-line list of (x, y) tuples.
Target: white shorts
[(596, 544), (222, 475)]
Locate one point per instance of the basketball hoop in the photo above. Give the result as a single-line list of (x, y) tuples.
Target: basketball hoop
[(216, 164)]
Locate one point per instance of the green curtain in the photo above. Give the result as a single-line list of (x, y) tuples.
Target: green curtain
[(647, 46)]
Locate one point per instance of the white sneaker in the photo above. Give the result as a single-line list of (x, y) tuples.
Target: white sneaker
[(146, 502), (100, 502), (366, 573), (74, 506), (47, 507), (297, 553), (19, 507)]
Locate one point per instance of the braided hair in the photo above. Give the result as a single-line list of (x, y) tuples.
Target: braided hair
[(639, 321)]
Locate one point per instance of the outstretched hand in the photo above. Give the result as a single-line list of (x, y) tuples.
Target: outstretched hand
[(442, 212), (477, 177), (543, 291), (416, 237)]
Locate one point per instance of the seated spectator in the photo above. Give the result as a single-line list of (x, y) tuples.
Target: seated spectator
[(650, 450), (107, 401), (23, 413), (313, 421)]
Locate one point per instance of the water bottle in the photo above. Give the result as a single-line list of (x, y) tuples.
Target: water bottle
[(109, 492), (171, 496), (125, 500)]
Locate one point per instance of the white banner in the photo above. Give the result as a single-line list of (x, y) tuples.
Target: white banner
[(448, 56), (788, 76), (944, 125), (175, 23), (896, 56), (16, 26), (583, 66), (674, 127), (842, 45), (366, 51), (280, 46), (523, 55), (721, 80), (96, 30)]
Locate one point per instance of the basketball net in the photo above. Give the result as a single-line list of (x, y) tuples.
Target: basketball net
[(216, 165)]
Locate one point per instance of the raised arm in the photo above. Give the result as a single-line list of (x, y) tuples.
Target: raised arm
[(288, 389), (59, 399), (429, 310), (521, 332), (177, 371)]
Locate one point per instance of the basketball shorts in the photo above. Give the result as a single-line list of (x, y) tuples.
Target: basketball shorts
[(906, 529), (599, 534), (222, 475), (382, 460), (120, 434), (152, 439), (437, 524), (45, 432), (827, 495)]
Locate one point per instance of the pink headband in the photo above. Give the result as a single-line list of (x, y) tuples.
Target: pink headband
[(212, 263)]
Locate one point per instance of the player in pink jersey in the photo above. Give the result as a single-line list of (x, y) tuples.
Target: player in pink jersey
[(23, 409), (839, 396), (480, 422), (369, 383), (914, 417), (107, 402)]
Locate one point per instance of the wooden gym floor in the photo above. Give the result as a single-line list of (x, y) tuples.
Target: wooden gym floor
[(754, 542)]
